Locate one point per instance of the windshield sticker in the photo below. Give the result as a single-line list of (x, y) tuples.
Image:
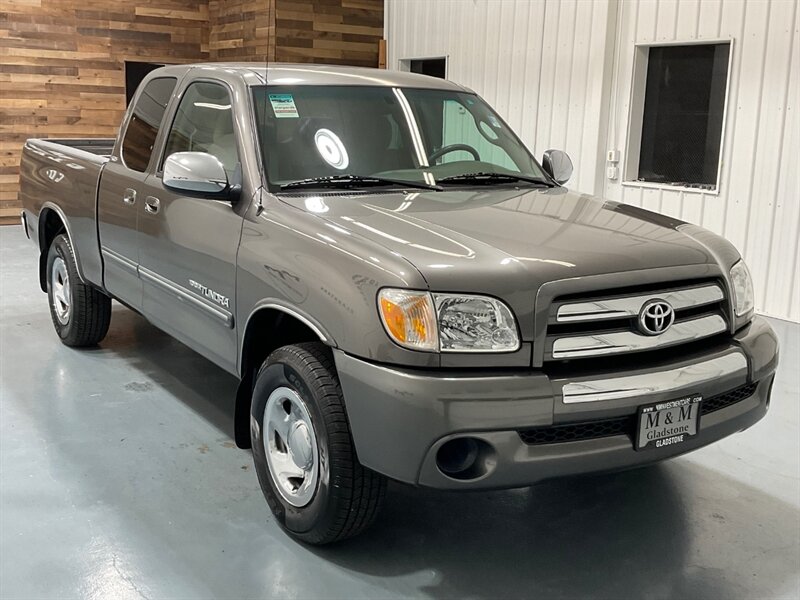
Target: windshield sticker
[(283, 106), (331, 149)]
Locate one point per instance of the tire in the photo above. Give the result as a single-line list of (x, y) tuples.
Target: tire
[(338, 498), (81, 314)]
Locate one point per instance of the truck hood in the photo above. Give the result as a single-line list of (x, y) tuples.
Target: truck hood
[(509, 242), (551, 233)]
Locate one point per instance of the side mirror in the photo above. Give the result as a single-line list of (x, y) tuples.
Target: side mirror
[(558, 165), (198, 173)]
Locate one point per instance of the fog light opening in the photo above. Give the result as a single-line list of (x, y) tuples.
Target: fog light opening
[(464, 458)]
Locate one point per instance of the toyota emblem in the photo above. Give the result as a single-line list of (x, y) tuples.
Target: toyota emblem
[(656, 317)]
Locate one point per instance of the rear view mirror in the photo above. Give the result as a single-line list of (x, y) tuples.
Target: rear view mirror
[(198, 173), (558, 165)]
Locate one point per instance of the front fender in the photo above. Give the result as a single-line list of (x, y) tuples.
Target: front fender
[(327, 277)]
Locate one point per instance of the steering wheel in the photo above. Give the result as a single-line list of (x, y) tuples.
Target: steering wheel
[(454, 148)]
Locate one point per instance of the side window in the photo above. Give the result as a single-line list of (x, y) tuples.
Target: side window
[(140, 136), (204, 123)]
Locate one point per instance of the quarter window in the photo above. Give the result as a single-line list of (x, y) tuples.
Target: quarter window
[(140, 135), (204, 123)]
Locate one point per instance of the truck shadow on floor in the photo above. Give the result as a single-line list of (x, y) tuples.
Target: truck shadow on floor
[(198, 383), (672, 530), (635, 534)]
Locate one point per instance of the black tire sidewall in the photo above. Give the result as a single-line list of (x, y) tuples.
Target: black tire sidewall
[(60, 248), (320, 512)]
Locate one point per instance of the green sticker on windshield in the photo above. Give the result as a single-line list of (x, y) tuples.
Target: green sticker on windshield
[(283, 106)]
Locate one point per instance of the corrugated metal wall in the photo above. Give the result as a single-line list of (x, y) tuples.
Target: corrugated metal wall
[(560, 72), (758, 206), (540, 65)]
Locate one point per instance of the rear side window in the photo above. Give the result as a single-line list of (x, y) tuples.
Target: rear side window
[(204, 123), (140, 136)]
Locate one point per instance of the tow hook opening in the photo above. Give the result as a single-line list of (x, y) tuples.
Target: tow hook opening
[(465, 458)]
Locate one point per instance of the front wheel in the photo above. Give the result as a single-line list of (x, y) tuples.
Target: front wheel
[(303, 450), (81, 314)]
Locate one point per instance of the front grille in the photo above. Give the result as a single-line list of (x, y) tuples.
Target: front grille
[(591, 430), (574, 432), (725, 400), (607, 323)]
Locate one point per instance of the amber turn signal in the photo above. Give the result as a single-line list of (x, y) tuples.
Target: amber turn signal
[(409, 318)]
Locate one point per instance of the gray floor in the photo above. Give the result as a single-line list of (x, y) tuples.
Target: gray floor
[(118, 479)]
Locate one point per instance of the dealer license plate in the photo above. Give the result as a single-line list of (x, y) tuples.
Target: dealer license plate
[(668, 423)]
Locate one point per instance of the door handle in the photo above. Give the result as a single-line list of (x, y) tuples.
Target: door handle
[(129, 197), (152, 204)]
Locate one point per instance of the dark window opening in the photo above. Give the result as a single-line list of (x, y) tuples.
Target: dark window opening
[(683, 112), (135, 72), (142, 130), (435, 67)]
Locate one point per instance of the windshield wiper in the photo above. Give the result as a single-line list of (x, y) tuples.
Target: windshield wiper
[(488, 177), (354, 181)]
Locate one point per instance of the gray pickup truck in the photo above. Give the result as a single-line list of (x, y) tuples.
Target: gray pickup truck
[(403, 291)]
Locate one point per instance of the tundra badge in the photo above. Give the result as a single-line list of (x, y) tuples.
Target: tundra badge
[(210, 294)]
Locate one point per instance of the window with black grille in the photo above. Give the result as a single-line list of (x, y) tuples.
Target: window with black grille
[(433, 67), (682, 119)]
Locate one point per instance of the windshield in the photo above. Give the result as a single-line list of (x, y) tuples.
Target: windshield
[(394, 134)]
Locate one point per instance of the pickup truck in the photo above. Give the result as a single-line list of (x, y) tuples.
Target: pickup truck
[(403, 291)]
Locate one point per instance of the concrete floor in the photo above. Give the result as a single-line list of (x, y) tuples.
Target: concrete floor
[(119, 479)]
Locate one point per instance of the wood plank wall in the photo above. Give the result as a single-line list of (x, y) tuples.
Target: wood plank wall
[(242, 30), (344, 32), (62, 61), (62, 66)]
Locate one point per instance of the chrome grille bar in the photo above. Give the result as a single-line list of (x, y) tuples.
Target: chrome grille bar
[(612, 342), (643, 385), (629, 306)]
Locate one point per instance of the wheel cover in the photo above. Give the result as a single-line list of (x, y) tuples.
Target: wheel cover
[(62, 296), (290, 445)]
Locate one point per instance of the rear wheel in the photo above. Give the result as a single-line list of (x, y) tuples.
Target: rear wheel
[(303, 450), (81, 314)]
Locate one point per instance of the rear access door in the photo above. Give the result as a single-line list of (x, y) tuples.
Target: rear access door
[(121, 189)]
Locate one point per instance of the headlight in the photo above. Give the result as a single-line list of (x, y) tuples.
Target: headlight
[(475, 324), (742, 289), (409, 318), (447, 322)]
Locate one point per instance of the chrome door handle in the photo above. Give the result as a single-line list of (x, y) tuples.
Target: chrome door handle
[(129, 197), (152, 204)]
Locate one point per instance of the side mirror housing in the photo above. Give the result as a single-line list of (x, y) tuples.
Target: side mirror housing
[(197, 173), (558, 165)]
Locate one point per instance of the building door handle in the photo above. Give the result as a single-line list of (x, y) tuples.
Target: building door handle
[(152, 204), (129, 197)]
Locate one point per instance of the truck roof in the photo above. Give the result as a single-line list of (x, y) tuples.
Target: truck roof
[(313, 74)]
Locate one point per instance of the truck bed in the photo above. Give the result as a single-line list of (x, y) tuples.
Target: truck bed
[(98, 146), (62, 175)]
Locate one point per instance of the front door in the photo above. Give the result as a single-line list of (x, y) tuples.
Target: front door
[(188, 244), (121, 189)]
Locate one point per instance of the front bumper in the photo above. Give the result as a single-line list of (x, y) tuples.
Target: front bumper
[(400, 418)]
